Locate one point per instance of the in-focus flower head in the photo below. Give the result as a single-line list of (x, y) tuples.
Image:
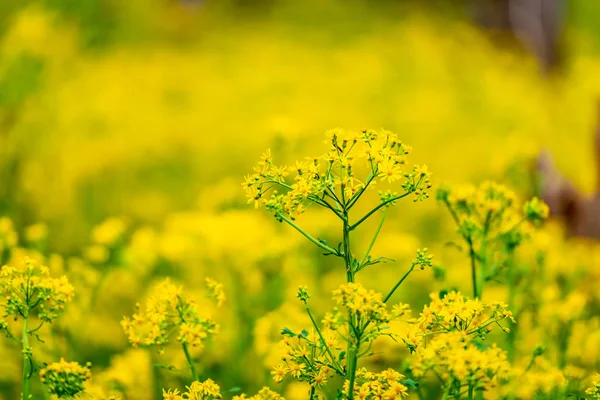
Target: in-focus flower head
[(29, 289), (352, 163)]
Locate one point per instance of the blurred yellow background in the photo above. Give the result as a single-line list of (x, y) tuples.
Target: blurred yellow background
[(152, 111)]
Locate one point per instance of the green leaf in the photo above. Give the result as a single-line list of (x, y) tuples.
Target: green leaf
[(409, 383), (288, 332), (455, 245), (409, 346)]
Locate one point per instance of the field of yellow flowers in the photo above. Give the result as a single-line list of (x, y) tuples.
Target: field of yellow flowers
[(288, 204)]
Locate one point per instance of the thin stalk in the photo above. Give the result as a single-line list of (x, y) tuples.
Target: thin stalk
[(10, 335), (38, 328), (420, 393), (352, 351), (374, 239), (334, 197), (190, 361), (351, 370), (383, 204), (347, 252), (447, 392), (482, 254), (398, 284), (309, 237), (470, 395), (312, 392), (157, 379), (452, 212), (333, 360), (355, 198), (473, 268), (325, 204), (26, 361)]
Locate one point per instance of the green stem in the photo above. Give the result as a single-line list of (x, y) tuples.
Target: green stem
[(385, 203), (10, 335), (482, 256), (325, 204), (352, 351), (420, 393), (355, 198), (347, 251), (351, 369), (470, 395), (26, 360), (308, 236), (190, 361), (374, 239), (157, 379), (472, 255), (447, 392), (312, 392), (398, 284)]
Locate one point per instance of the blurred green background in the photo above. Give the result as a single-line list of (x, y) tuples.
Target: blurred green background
[(107, 105)]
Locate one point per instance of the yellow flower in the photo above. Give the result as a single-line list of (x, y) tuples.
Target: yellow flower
[(171, 395), (279, 373), (65, 379)]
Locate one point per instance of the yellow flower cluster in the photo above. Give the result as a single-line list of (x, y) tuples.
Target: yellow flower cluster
[(460, 362), (364, 308), (309, 357), (316, 356), (492, 224), (537, 378), (207, 390), (331, 178), (65, 379), (263, 394), (366, 305), (489, 207), (29, 288), (593, 392), (446, 341), (388, 385), (455, 312), (166, 311)]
